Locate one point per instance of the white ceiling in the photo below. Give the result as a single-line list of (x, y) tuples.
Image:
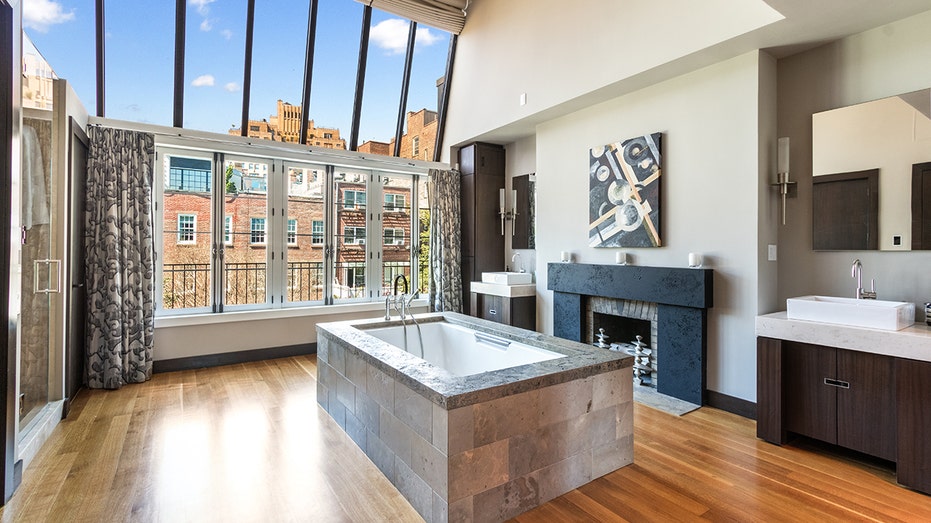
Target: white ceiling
[(806, 24)]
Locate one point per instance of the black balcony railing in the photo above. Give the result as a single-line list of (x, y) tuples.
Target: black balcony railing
[(187, 285)]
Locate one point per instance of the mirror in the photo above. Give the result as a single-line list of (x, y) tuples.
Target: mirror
[(524, 229), (893, 136)]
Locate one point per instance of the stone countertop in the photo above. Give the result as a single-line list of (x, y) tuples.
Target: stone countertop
[(912, 343), (450, 391), (507, 291)]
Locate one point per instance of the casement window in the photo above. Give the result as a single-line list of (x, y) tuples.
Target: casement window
[(262, 202)]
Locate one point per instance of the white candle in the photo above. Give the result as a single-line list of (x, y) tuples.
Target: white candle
[(782, 156), (514, 199), (564, 256), (694, 259), (621, 258), (501, 199)]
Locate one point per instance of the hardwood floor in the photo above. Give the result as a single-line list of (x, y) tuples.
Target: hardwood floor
[(248, 443)]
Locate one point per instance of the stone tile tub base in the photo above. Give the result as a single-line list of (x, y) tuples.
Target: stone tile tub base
[(487, 460)]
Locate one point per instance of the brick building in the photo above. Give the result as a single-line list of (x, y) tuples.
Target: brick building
[(285, 126), (188, 224), (417, 143)]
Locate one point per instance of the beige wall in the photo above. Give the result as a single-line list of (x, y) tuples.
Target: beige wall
[(885, 61), (710, 123)]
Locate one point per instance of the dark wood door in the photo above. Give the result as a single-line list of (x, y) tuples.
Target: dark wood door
[(845, 211), (921, 206), (810, 405), (866, 409), (77, 305), (493, 308)]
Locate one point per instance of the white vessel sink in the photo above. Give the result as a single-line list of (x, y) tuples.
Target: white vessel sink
[(873, 314), (507, 278)]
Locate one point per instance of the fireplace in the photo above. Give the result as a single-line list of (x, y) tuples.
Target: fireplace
[(681, 298), (623, 321)]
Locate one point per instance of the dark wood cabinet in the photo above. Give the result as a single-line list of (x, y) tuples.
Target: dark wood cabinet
[(482, 168), (913, 422), (866, 402), (517, 312)]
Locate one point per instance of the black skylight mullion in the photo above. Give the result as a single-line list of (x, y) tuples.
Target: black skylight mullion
[(180, 23), (101, 56), (308, 70), (444, 103), (405, 87), (247, 68), (360, 78)]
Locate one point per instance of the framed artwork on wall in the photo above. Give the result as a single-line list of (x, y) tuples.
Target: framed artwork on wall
[(624, 193)]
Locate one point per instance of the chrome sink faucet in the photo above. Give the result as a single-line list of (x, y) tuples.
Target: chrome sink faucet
[(855, 272), (516, 261)]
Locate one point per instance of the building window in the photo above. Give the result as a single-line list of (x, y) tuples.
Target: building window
[(395, 202), (327, 136), (394, 236), (353, 199), (257, 229), (228, 230), (316, 233), (189, 174), (187, 225), (292, 232), (415, 146), (355, 275), (354, 236)]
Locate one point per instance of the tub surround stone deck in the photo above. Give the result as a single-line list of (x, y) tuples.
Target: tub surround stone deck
[(484, 447)]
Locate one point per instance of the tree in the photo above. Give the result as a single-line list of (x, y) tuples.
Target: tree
[(230, 185)]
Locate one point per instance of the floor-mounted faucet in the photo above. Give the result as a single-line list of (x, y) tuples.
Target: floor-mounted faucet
[(855, 272)]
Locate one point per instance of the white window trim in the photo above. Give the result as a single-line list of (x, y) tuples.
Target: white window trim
[(394, 236), (253, 230), (317, 237), (357, 240), (288, 232), (193, 231), (228, 232)]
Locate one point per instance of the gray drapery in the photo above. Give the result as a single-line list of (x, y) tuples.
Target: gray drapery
[(445, 242), (119, 268)]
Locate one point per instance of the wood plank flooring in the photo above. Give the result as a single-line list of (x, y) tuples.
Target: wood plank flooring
[(248, 443)]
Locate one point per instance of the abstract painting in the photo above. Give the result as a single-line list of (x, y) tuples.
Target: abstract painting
[(624, 193)]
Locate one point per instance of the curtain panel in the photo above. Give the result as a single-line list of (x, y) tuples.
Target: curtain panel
[(120, 269), (445, 242)]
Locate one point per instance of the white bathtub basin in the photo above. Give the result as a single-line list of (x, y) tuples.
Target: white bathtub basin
[(507, 278), (873, 314), (459, 350)]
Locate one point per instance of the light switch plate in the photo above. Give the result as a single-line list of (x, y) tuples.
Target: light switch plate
[(771, 255)]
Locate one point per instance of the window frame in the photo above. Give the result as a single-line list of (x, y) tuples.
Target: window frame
[(278, 281), (291, 232), (394, 236), (182, 230), (317, 238)]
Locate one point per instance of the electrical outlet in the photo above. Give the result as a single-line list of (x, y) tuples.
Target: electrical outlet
[(771, 253)]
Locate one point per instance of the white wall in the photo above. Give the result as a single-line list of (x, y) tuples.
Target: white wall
[(521, 159), (710, 125), (885, 61), (556, 55)]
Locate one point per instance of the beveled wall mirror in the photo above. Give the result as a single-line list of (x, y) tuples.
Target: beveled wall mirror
[(892, 136)]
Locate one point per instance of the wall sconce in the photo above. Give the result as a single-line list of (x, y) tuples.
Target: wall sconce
[(503, 211), (782, 173)]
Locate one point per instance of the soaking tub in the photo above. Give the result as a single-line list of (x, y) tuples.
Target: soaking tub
[(481, 421)]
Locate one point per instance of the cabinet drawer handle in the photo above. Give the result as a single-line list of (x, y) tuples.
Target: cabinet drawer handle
[(492, 311), (837, 383)]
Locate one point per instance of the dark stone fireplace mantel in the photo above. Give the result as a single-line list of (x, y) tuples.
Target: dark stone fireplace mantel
[(683, 297)]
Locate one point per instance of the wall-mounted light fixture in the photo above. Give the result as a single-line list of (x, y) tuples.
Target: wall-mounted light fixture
[(503, 211), (782, 173)]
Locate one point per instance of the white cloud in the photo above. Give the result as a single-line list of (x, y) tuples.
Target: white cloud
[(390, 35), (203, 6), (204, 80), (41, 14), (206, 25), (227, 34), (231, 87), (426, 37)]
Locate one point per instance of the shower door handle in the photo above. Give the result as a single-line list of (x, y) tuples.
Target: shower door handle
[(35, 276)]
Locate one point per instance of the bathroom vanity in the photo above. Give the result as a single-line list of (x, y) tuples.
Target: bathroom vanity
[(859, 388), (514, 305)]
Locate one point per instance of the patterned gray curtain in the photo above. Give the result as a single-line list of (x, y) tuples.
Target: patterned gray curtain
[(120, 269), (445, 242)]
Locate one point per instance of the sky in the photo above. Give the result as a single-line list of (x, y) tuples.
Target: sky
[(140, 60)]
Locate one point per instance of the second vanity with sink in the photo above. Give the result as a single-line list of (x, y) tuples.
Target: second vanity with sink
[(866, 388), (506, 297)]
